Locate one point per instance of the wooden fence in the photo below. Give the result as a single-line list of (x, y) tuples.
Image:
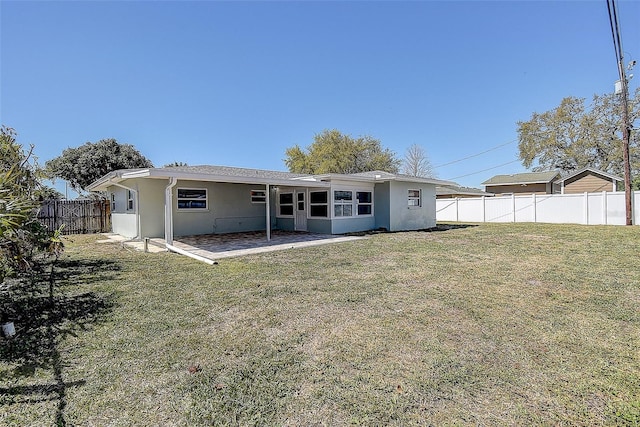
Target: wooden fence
[(77, 216)]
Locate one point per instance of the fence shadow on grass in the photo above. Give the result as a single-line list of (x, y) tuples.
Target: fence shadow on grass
[(46, 308)]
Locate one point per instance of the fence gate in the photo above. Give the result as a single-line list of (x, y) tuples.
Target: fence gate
[(78, 216)]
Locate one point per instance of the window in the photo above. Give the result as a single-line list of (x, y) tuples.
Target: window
[(113, 202), (364, 202), (129, 200), (318, 204), (413, 198), (343, 203), (258, 196), (192, 198), (285, 201)]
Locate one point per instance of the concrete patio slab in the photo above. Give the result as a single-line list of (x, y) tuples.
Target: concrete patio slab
[(218, 246), (221, 246)]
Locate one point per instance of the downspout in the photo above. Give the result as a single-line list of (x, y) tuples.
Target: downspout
[(137, 207), (168, 224), (168, 211), (268, 204)]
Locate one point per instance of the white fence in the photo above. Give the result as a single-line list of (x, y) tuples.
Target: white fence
[(586, 208)]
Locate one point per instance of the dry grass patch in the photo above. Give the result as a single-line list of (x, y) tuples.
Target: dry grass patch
[(490, 324)]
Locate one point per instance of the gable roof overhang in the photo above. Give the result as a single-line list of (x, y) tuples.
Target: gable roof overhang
[(592, 170)]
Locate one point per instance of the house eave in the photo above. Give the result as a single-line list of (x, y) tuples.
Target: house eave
[(488, 184), (104, 182), (379, 178)]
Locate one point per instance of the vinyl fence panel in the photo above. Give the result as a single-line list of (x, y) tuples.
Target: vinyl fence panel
[(587, 208)]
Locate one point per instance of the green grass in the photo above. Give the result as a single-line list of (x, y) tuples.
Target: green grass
[(486, 325)]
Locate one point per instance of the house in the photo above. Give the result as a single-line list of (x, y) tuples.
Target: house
[(456, 192), (194, 200), (589, 180), (524, 183)]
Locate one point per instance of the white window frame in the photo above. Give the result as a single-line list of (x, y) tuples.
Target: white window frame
[(206, 199), (358, 204), (131, 201), (312, 204), (280, 205), (113, 202), (258, 196), (343, 203), (412, 198)]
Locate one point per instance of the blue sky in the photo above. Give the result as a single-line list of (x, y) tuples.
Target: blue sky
[(236, 83)]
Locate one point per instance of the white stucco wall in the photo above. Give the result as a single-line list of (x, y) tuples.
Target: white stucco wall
[(404, 217), (123, 224), (229, 210), (151, 206)]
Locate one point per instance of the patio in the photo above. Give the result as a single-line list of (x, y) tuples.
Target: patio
[(218, 246)]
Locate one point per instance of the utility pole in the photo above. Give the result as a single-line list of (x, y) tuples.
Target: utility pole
[(626, 136), (623, 91)]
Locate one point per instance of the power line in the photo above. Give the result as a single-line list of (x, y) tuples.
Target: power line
[(483, 170), (475, 155), (624, 98)]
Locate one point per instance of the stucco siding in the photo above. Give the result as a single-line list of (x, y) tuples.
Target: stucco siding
[(229, 209), (381, 205), (321, 226), (350, 225), (404, 217), (151, 206), (123, 224), (285, 224)]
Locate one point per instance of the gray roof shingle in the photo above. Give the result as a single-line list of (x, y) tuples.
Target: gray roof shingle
[(523, 178), (233, 171)]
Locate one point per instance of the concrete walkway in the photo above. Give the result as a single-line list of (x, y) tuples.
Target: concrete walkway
[(219, 246)]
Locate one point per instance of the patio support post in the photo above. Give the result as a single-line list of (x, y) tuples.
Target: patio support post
[(168, 211), (268, 207)]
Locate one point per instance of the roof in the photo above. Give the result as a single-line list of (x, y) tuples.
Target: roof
[(233, 171), (251, 176), (592, 170), (523, 178), (449, 190)]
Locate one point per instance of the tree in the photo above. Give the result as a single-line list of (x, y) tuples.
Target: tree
[(175, 165), (333, 152), (573, 136), (21, 235), (416, 163), (83, 165)]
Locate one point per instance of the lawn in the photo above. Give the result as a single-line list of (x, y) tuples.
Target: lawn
[(503, 324)]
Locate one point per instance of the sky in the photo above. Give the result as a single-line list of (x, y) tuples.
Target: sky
[(237, 83)]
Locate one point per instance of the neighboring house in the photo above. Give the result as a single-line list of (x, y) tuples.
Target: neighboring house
[(192, 200), (456, 192), (524, 183), (589, 180)]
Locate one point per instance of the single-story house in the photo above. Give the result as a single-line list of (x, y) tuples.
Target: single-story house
[(589, 180), (457, 192), (195, 200), (524, 183)]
